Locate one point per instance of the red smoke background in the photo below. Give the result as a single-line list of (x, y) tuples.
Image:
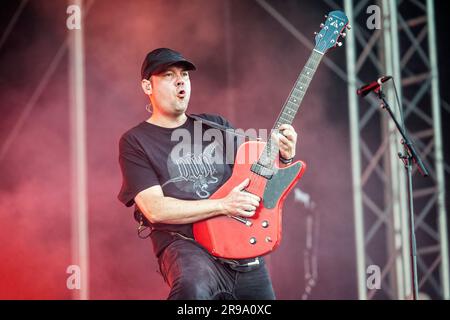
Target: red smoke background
[(247, 63)]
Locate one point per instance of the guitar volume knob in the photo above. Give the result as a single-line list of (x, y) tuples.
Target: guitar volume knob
[(252, 240)]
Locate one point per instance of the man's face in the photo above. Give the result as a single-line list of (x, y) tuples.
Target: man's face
[(171, 90)]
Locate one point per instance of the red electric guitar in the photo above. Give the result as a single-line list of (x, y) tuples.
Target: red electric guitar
[(239, 237)]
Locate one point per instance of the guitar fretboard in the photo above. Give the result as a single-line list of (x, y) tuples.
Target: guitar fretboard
[(291, 107)]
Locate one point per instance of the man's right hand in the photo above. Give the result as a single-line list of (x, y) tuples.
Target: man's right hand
[(239, 202)]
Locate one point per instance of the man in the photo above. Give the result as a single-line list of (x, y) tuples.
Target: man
[(171, 190)]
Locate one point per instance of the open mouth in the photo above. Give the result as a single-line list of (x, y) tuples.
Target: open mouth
[(181, 94)]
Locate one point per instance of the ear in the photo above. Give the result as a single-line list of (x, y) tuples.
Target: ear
[(146, 86)]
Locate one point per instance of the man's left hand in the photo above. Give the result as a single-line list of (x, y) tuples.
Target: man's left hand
[(287, 141)]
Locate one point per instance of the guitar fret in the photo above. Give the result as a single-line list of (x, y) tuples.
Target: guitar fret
[(289, 114), (300, 99), (304, 80), (288, 118), (312, 66), (299, 90), (295, 94), (283, 116), (294, 99), (302, 89), (291, 106), (302, 85)]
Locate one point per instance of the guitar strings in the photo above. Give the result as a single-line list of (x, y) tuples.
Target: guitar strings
[(312, 64)]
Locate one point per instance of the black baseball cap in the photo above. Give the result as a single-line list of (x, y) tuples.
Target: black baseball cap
[(159, 59)]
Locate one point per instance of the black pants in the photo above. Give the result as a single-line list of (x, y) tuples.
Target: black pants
[(193, 274)]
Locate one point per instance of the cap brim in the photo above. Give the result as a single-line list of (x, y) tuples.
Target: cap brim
[(161, 68)]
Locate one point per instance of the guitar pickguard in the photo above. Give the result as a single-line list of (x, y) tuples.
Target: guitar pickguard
[(278, 184)]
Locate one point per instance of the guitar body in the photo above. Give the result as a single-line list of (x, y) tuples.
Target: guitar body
[(226, 237)]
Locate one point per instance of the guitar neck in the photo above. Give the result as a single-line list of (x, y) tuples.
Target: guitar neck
[(291, 106)]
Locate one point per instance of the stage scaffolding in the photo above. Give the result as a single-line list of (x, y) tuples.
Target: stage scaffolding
[(406, 39), (404, 47)]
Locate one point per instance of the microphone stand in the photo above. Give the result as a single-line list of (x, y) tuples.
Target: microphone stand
[(408, 157)]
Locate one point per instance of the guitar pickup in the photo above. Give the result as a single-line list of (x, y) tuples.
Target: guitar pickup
[(262, 171)]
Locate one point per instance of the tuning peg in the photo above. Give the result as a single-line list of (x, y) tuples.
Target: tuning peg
[(339, 44), (325, 16), (322, 25), (349, 27), (343, 34), (315, 33)]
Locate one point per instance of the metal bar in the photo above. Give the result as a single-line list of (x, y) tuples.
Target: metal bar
[(416, 98), (355, 156), (425, 210), (367, 46), (408, 54), (368, 155), (419, 5), (417, 111), (427, 133), (427, 250), (424, 192), (428, 230), (395, 189), (80, 235), (428, 274), (374, 107), (374, 163), (438, 150), (414, 42), (414, 79), (414, 22)]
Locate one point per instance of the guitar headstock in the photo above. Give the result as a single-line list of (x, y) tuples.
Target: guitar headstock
[(331, 31)]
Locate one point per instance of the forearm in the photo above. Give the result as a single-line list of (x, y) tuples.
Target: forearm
[(174, 211)]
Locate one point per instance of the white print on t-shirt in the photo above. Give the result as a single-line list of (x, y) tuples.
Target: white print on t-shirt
[(198, 169)]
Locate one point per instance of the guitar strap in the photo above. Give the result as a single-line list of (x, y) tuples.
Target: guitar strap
[(219, 126)]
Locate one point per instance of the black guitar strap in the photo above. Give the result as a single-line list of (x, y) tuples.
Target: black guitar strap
[(219, 126)]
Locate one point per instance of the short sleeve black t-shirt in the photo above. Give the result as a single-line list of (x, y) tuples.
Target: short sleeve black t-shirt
[(189, 162)]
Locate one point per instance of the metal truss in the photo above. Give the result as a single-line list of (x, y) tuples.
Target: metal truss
[(378, 178), (404, 47), (380, 199)]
